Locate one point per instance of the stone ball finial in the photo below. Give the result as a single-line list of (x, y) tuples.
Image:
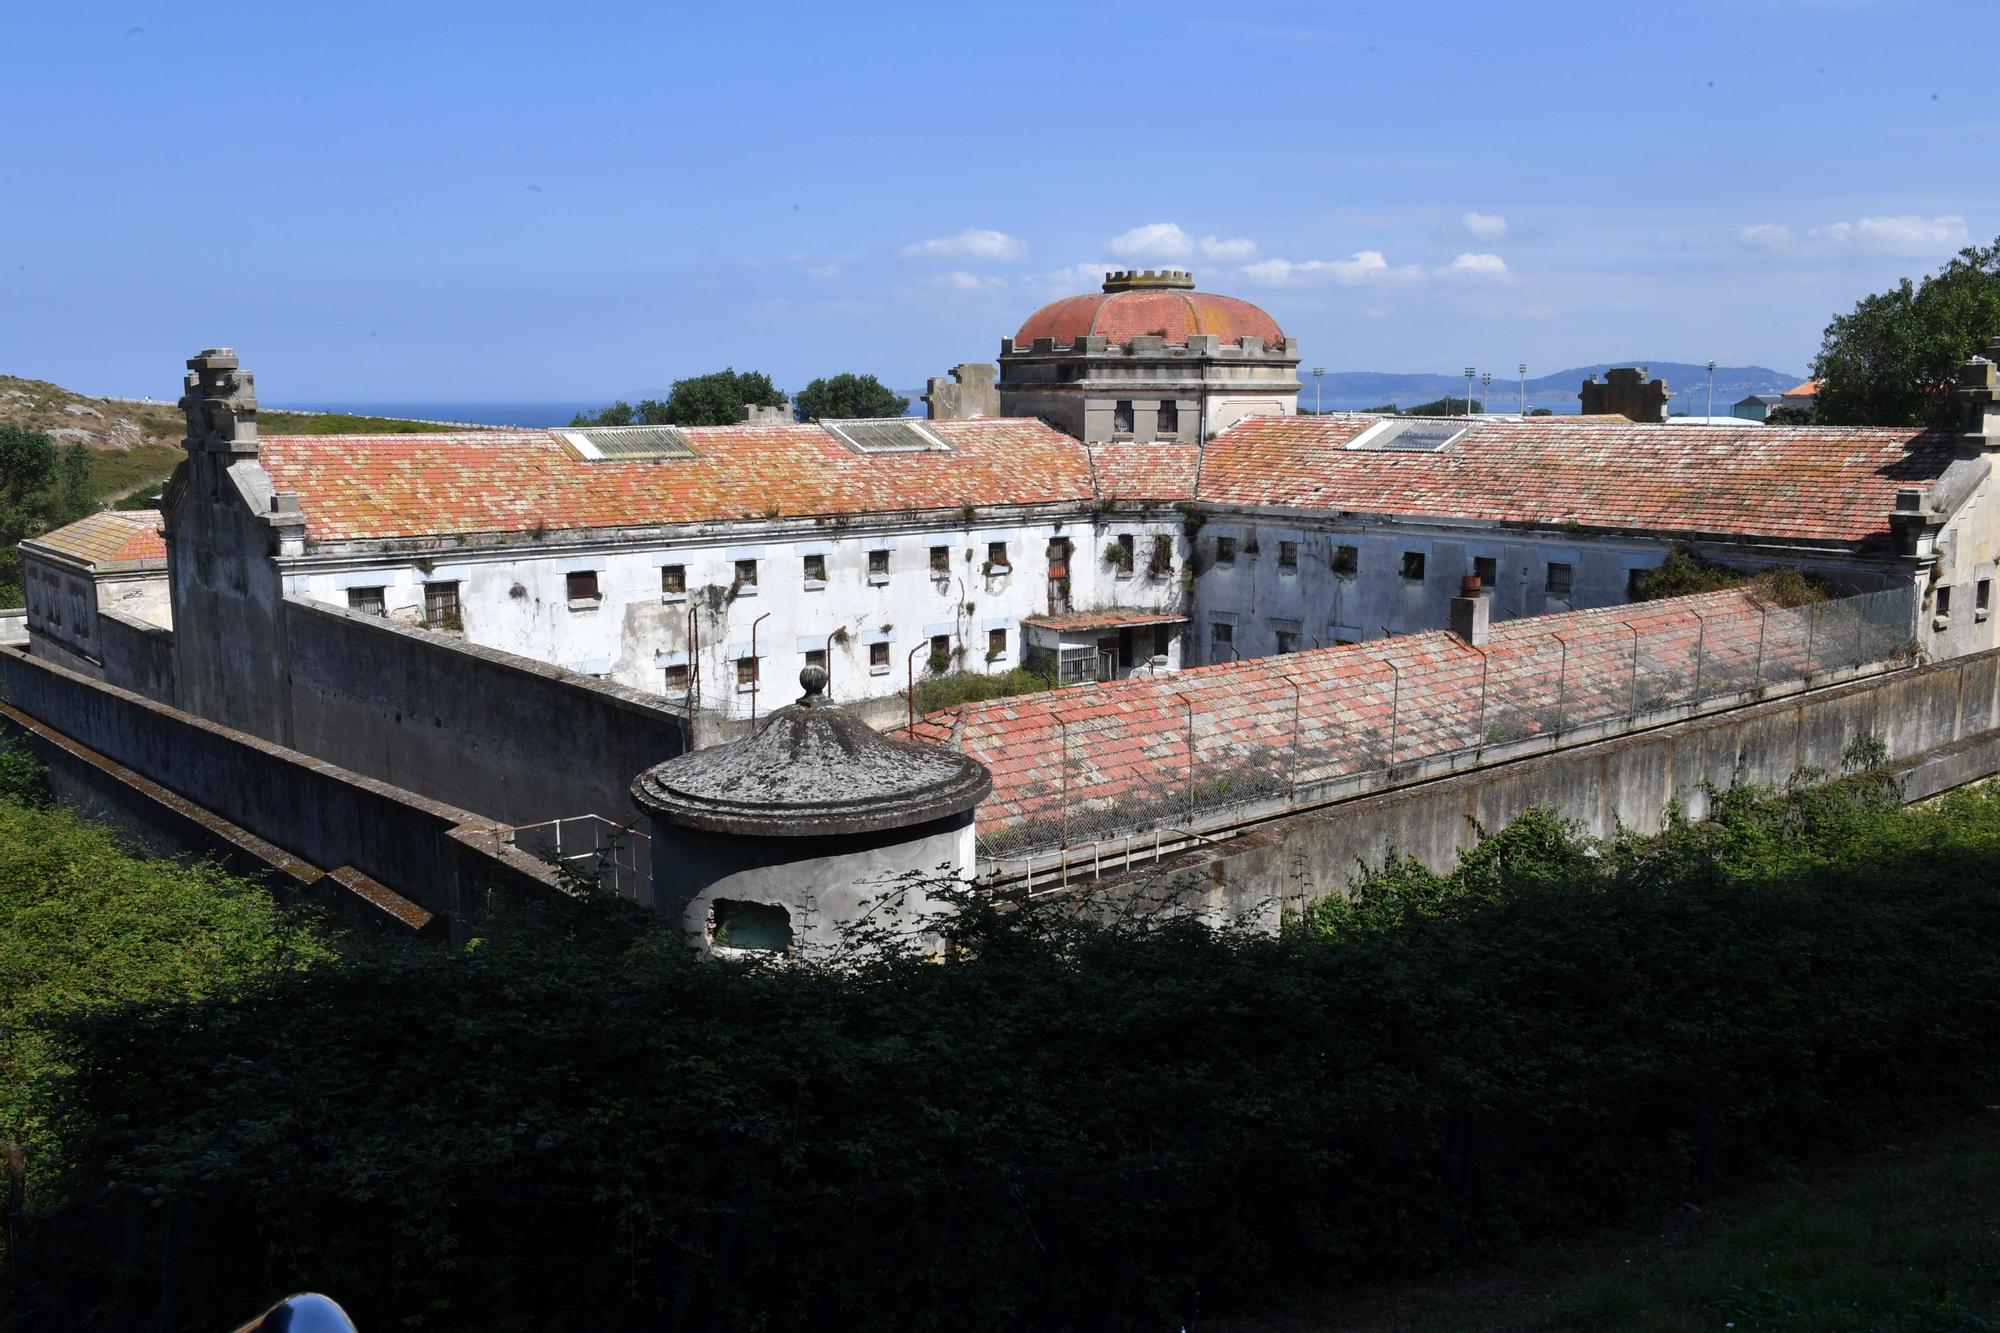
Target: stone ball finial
[(813, 681)]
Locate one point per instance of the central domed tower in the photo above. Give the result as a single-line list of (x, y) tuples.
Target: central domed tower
[(1148, 358)]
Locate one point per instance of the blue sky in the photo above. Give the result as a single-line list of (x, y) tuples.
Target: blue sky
[(534, 201)]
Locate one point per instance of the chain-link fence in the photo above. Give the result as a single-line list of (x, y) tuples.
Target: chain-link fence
[(1117, 765)]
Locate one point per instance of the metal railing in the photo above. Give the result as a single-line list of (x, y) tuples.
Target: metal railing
[(615, 857), (1136, 780)]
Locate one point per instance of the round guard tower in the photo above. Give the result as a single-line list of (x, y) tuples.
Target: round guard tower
[(782, 838)]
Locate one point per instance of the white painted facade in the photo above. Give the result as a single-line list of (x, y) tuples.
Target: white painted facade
[(879, 594)]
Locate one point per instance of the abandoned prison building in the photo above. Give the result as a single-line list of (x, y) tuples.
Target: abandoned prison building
[(405, 672)]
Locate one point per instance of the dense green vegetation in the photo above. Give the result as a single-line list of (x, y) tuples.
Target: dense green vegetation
[(951, 688), (572, 1123), (846, 397), (85, 923), (714, 399), (341, 423), (1893, 360), (1687, 571), (41, 487)]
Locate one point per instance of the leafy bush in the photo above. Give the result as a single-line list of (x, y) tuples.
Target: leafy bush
[(574, 1124), (1686, 571), (958, 687)]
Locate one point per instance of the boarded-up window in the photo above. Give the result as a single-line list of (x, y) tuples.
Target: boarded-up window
[(583, 585)]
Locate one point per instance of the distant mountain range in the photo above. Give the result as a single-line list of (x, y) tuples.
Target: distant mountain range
[(1351, 390)]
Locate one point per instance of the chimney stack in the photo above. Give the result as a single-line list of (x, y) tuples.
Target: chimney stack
[(1471, 614)]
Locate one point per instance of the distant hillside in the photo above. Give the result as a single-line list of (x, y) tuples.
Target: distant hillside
[(134, 445), (1350, 390)]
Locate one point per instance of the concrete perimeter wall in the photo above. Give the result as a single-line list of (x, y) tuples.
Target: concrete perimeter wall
[(446, 860), (1940, 724), (514, 739), (137, 656)]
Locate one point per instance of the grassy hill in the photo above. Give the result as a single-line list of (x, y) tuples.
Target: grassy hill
[(134, 445)]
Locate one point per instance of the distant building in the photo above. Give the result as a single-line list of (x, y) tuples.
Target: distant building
[(1148, 358), (1626, 392), (1756, 406), (1802, 395)]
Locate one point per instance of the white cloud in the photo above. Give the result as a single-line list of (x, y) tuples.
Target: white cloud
[(1155, 240), (1470, 265), (1362, 266), (962, 281), (1905, 234), (1486, 226), (1072, 279), (972, 243), (823, 272), (1766, 236), (1167, 240)]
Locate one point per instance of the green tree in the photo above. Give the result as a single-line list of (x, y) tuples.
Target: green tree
[(1789, 414), (1446, 406), (72, 495), (1894, 359), (846, 397), (715, 399), (28, 461)]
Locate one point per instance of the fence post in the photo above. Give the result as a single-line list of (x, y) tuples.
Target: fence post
[(1395, 702), (1632, 702), (1763, 622), (1700, 641), (1812, 623), (1562, 681), (1188, 704), (1485, 668), (1294, 784)]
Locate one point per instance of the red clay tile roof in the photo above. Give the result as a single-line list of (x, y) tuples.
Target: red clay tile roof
[(1117, 316), (1079, 763), (112, 536), (1152, 471), (1802, 483), (1810, 389), (1104, 619), (383, 486)]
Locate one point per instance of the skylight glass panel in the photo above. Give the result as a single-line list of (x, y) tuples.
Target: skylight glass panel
[(1409, 436), (884, 435), (624, 444)]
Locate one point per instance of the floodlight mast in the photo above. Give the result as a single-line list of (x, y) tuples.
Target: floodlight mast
[(1470, 372), (1319, 373), (1524, 388), (1711, 388), (1486, 389)]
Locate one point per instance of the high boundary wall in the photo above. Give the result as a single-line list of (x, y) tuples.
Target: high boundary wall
[(517, 740), (446, 860), (1939, 725), (137, 656)]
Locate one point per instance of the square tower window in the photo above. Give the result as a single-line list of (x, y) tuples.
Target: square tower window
[(746, 574), (1562, 578), (1346, 559), (582, 585), (673, 580), (1121, 417), (1486, 569), (814, 568), (1413, 566)]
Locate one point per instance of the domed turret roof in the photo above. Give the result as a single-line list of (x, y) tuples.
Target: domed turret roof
[(812, 770), (1134, 303)]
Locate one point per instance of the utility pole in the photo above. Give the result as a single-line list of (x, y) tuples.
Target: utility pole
[(1319, 373), (1486, 391), (1469, 374)]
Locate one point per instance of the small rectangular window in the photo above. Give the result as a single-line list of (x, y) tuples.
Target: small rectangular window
[(816, 657), (1561, 577), (582, 585), (677, 679), (940, 560), (1121, 417), (1982, 595), (996, 557), (673, 580), (1162, 563), (1413, 566), (815, 568), (1163, 636), (1635, 584), (1221, 642), (746, 671), (878, 564), (1944, 599), (1288, 555), (746, 573), (1288, 640), (878, 655), (940, 653), (1225, 550), (366, 600), (1346, 559), (1486, 569), (996, 644), (441, 610), (1123, 553)]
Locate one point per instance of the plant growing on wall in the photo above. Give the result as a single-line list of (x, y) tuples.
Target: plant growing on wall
[(1118, 556), (1161, 563)]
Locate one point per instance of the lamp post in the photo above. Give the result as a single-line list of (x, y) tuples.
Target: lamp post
[(1486, 392), (1319, 373), (1711, 388), (1524, 388), (1469, 374)]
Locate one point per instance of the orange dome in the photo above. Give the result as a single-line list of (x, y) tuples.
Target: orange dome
[(1131, 305)]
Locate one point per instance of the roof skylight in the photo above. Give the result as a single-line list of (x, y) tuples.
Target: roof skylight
[(884, 435), (627, 444), (1409, 435)]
